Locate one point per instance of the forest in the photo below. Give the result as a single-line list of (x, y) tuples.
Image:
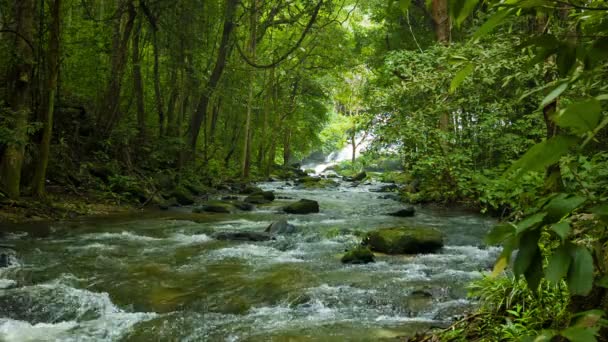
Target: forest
[(449, 158)]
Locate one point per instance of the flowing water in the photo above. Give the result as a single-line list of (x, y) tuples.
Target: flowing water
[(161, 277)]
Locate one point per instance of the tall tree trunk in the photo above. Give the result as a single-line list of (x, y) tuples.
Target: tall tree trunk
[(287, 146), (19, 96), (218, 69), (246, 161), (48, 110), (157, 87), (109, 111), (138, 85), (441, 21)]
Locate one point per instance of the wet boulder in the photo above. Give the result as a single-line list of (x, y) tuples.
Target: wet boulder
[(320, 184), (358, 255), (250, 189), (257, 199), (220, 207), (4, 261), (303, 206), (230, 198), (182, 196), (357, 178), (393, 197), (404, 240), (281, 227), (244, 206), (386, 188), (405, 212), (242, 236)]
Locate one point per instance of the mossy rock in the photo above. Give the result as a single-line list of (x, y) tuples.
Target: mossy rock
[(215, 207), (405, 212), (359, 255), (182, 196), (404, 240), (303, 206), (320, 184), (250, 189), (244, 206), (257, 199)]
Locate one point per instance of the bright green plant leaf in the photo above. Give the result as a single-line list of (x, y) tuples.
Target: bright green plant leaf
[(490, 24), (559, 262), (603, 282), (579, 334), (562, 229), (405, 5), (581, 117), (554, 94), (580, 274), (528, 251), (530, 221), (543, 154), (588, 319), (601, 211), (499, 234), (562, 205), (460, 76)]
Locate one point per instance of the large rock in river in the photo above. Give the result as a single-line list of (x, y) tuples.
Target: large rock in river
[(358, 255), (242, 236), (281, 227), (405, 212), (214, 207), (404, 240), (303, 206)]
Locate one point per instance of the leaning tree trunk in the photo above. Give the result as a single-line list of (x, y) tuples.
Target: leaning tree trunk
[(138, 84), (108, 114), (218, 70), (246, 161), (19, 96), (49, 107)]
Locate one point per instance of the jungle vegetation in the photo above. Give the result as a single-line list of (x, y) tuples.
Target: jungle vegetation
[(498, 105)]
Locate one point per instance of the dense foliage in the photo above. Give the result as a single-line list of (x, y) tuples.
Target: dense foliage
[(496, 104)]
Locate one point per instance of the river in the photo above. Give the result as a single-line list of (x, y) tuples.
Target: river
[(160, 276)]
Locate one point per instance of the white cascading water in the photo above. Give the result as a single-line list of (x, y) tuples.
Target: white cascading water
[(336, 157)]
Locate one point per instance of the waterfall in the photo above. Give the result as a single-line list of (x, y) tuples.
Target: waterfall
[(345, 153)]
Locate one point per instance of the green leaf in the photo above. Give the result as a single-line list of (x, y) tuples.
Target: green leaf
[(461, 9), (579, 334), (601, 211), (581, 117), (405, 5), (562, 205), (545, 336), (602, 282), (528, 251), (505, 256), (580, 274), (534, 273), (566, 58), (554, 94), (543, 154), (562, 229), (559, 262), (530, 221), (499, 234), (460, 76), (588, 319), (495, 20)]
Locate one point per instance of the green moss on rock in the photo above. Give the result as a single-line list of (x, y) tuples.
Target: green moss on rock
[(303, 206), (404, 240), (359, 255)]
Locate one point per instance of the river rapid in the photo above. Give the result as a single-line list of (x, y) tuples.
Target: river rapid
[(160, 276)]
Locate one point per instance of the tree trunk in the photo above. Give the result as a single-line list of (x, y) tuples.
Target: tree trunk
[(109, 111), (220, 64), (252, 52), (19, 96), (287, 147), (48, 110), (441, 21), (157, 88), (138, 85)]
